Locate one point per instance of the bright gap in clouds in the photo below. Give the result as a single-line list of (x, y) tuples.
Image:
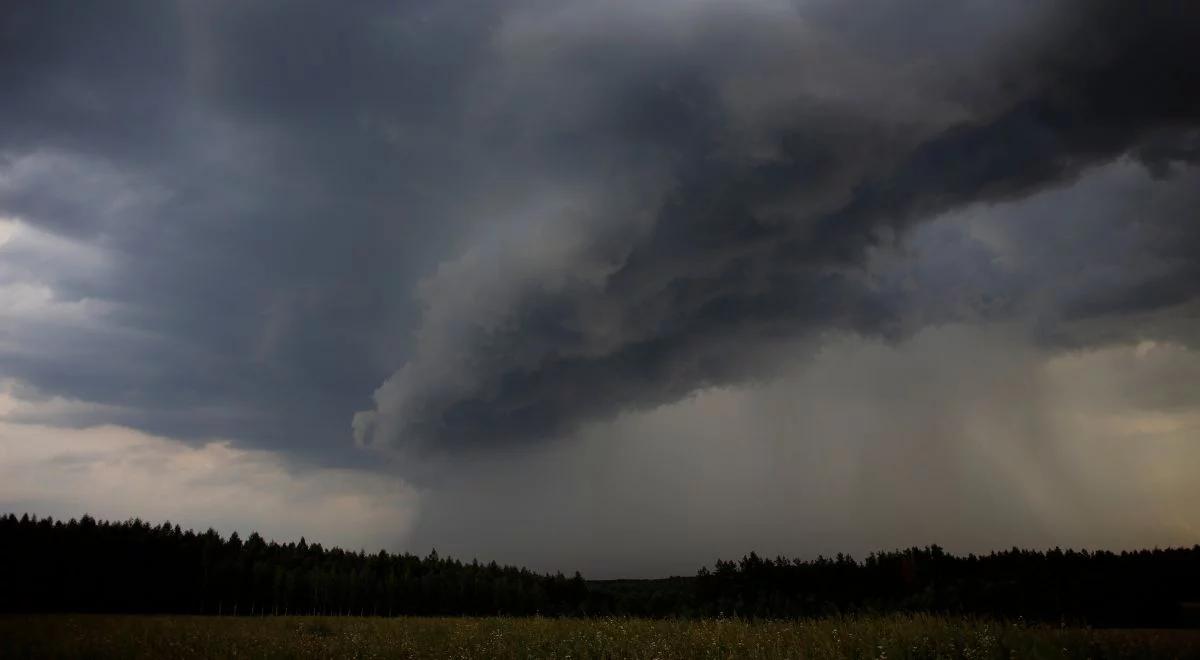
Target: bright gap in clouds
[(8, 229), (112, 472)]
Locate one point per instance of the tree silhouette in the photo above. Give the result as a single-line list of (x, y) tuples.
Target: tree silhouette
[(132, 566)]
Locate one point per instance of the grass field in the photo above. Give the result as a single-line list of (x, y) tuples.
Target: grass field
[(890, 637)]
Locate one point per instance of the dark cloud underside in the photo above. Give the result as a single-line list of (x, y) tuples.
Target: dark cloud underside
[(240, 219), (742, 252)]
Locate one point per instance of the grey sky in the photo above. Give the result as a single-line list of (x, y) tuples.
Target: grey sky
[(543, 277)]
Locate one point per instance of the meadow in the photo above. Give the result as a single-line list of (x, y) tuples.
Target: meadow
[(892, 637)]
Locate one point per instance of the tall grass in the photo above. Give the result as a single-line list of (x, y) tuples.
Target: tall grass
[(891, 637)]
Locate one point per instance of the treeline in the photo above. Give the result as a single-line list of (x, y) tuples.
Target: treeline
[(1142, 588), (133, 566), (89, 566)]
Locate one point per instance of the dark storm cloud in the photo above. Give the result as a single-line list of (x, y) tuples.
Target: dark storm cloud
[(610, 204), (742, 252), (258, 184), (103, 79)]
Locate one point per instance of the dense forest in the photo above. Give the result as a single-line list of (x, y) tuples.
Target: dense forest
[(89, 566), (1143, 588), (132, 566)]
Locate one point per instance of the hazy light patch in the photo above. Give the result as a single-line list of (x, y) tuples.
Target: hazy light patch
[(33, 264), (31, 301), (82, 185), (1145, 425), (21, 404), (117, 473), (8, 229), (23, 241)]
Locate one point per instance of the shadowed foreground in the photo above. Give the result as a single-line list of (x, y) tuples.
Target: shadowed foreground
[(282, 637)]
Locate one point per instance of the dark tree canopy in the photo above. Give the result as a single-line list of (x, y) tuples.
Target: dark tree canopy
[(132, 566), (89, 566)]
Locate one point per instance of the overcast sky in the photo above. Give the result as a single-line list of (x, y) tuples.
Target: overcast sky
[(621, 287)]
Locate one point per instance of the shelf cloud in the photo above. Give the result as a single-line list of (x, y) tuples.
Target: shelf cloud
[(453, 245)]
